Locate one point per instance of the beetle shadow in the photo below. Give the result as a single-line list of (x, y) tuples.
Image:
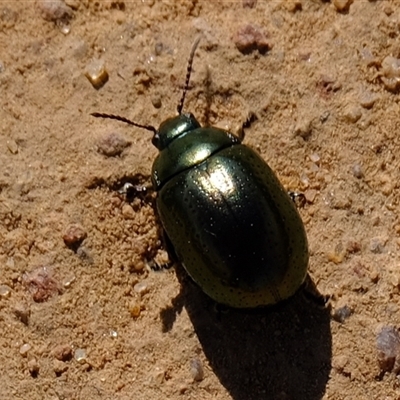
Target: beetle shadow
[(282, 352)]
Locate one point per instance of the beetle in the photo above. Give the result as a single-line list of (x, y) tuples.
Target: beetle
[(231, 223)]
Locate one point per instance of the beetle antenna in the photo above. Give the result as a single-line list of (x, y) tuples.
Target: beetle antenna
[(188, 72), (127, 121)]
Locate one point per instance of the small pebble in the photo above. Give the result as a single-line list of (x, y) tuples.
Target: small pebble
[(337, 256), (303, 128), (9, 17), (357, 171), (340, 362), (59, 367), (63, 352), (67, 282), (250, 38), (128, 212), (388, 346), (5, 291), (324, 116), (315, 158), (159, 48), (12, 146), (23, 350), (156, 101), (112, 144), (10, 263), (388, 10), (74, 235), (54, 10), (96, 73), (368, 99), (353, 246), (113, 334), (377, 246), (134, 310), (390, 73), (196, 370), (85, 254), (183, 388), (293, 5), (341, 314), (327, 85), (40, 284), (33, 367), (353, 114), (141, 288), (310, 195), (80, 355), (158, 376), (22, 312), (74, 4), (249, 3), (342, 5)]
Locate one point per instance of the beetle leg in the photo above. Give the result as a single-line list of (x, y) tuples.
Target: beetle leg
[(155, 266), (126, 188), (251, 117), (311, 292), (298, 198)]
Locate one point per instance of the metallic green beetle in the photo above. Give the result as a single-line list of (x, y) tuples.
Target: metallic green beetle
[(232, 224)]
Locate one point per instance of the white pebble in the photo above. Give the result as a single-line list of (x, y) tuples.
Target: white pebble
[(141, 288), (23, 350), (5, 291), (80, 355)]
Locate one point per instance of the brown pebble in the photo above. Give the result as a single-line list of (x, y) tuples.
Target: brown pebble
[(59, 367), (33, 367), (310, 195), (327, 85), (156, 101), (22, 312), (249, 3), (303, 128), (388, 10), (12, 146), (74, 4), (112, 144), (368, 99), (40, 284), (74, 235), (250, 38), (63, 352), (96, 73), (54, 10), (352, 113), (293, 5), (342, 5), (128, 212), (134, 310)]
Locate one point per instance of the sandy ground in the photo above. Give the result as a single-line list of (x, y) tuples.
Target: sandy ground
[(82, 315)]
